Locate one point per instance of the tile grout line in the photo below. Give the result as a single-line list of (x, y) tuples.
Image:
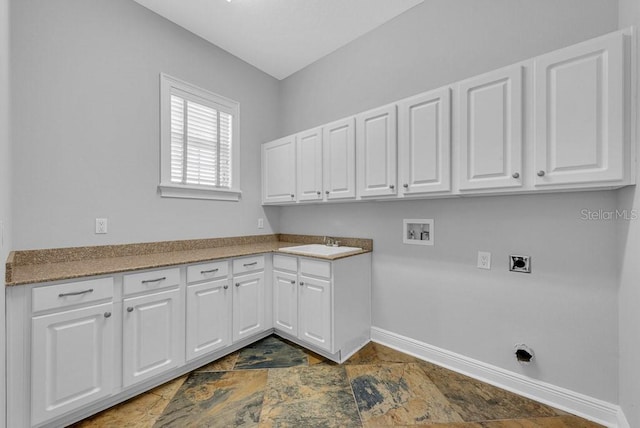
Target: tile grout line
[(353, 394)]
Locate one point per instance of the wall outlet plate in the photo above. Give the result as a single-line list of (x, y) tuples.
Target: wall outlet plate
[(101, 225), (520, 264), (484, 260)]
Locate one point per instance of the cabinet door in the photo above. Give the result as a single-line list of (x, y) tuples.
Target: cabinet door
[(376, 144), (579, 118), (73, 363), (490, 130), (248, 305), (208, 317), (424, 142), (315, 312), (339, 155), (152, 330), (285, 302), (309, 165), (279, 171)]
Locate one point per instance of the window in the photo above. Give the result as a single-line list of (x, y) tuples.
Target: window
[(199, 153)]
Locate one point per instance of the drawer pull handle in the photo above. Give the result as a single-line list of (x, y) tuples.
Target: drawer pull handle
[(202, 272), (237, 284), (76, 293), (225, 287), (147, 281), (107, 314), (130, 309), (250, 264), (301, 283)]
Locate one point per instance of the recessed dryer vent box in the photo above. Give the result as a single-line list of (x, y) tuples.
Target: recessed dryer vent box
[(520, 264), (417, 231)]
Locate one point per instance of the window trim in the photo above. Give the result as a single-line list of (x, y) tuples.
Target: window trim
[(167, 188)]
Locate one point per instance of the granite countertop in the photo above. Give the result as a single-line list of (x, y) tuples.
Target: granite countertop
[(35, 266)]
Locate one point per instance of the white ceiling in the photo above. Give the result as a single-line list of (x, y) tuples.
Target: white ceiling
[(279, 37)]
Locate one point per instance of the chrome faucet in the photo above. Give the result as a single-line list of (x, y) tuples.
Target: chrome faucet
[(331, 242)]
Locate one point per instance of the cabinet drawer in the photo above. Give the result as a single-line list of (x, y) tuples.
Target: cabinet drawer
[(248, 264), (205, 271), (315, 268), (73, 293), (285, 262), (151, 281)]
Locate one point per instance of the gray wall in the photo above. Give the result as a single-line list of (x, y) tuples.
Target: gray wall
[(629, 295), (5, 182), (86, 125), (567, 308)]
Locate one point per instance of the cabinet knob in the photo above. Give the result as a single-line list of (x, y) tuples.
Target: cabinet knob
[(293, 196), (391, 186), (226, 287), (405, 185), (541, 173), (107, 314), (130, 309), (293, 282), (301, 283), (327, 192), (237, 284), (319, 193), (516, 175)]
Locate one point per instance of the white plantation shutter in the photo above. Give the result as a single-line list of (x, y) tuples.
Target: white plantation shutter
[(199, 143), (201, 139)]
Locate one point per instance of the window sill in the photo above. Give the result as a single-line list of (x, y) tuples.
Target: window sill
[(198, 192)]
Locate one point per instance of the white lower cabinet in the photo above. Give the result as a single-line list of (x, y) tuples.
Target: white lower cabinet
[(94, 341), (208, 317), (314, 304), (248, 297), (285, 301), (325, 305), (73, 360), (153, 335)]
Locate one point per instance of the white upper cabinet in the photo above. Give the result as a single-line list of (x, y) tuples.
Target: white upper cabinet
[(376, 145), (279, 171), (340, 159), (560, 121), (579, 113), (309, 165), (424, 143), (490, 130)]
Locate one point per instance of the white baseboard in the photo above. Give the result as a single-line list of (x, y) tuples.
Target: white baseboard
[(596, 410), (622, 420)]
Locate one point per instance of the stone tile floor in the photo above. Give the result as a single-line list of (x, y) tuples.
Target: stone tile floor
[(274, 383)]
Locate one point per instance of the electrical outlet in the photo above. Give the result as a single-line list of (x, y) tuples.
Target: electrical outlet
[(260, 223), (520, 264), (484, 260), (101, 225)]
